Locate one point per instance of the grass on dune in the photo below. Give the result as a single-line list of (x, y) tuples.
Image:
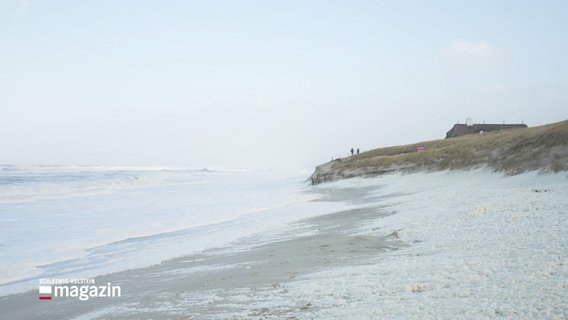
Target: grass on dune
[(512, 151)]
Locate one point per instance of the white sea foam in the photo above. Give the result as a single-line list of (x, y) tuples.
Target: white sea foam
[(481, 246), (478, 245)]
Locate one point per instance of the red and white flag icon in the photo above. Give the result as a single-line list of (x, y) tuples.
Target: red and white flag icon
[(44, 292)]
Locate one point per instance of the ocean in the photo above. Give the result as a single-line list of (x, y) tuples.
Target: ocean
[(84, 221)]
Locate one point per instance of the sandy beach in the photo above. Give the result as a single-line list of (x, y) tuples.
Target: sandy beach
[(457, 245)]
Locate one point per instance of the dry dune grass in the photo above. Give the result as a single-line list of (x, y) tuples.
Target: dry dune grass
[(512, 151)]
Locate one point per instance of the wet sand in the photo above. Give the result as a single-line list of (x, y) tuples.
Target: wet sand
[(226, 283)]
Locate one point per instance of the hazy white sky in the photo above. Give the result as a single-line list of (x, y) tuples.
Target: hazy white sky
[(267, 83)]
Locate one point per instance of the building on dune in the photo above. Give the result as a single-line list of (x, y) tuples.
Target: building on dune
[(472, 128)]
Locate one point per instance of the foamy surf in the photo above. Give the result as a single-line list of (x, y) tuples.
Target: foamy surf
[(88, 221)]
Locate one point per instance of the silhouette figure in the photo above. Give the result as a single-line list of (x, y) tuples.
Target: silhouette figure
[(357, 150), (352, 151)]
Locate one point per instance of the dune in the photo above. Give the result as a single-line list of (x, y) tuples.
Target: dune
[(513, 151)]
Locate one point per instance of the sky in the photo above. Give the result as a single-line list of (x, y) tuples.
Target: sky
[(267, 84)]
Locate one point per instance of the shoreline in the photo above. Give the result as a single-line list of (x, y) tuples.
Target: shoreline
[(172, 215), (310, 245), (468, 244)]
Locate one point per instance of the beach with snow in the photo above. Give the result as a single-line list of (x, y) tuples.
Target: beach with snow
[(445, 245)]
